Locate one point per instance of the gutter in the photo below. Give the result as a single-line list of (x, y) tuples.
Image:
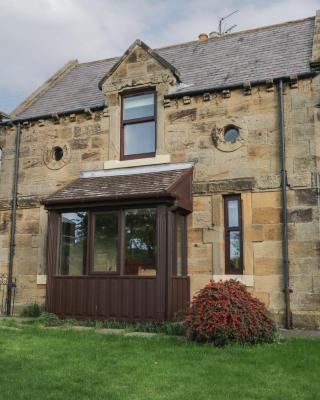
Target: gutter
[(284, 184), (190, 92), (49, 116), (12, 245), (194, 92)]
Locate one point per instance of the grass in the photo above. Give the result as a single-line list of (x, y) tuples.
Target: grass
[(64, 364)]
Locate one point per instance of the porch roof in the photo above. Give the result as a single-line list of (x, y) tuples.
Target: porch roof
[(162, 181)]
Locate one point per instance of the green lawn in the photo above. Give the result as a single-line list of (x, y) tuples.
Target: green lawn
[(63, 364)]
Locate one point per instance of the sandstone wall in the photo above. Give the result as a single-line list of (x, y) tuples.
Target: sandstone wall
[(189, 129), (84, 140)]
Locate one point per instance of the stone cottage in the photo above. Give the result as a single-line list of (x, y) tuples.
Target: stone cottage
[(126, 184)]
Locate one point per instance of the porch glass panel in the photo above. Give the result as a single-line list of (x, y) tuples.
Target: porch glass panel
[(73, 248), (140, 241), (106, 242)]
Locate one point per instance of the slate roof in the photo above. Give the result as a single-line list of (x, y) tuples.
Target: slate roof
[(256, 55), (115, 187)]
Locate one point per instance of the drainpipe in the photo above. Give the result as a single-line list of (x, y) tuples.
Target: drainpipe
[(11, 285), (285, 252)]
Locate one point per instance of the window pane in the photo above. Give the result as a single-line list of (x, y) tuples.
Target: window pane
[(138, 106), (140, 242), (231, 135), (73, 243), (235, 249), (139, 138), (233, 213), (180, 244), (105, 243)]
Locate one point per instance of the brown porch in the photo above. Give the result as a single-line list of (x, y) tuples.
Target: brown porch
[(132, 234)]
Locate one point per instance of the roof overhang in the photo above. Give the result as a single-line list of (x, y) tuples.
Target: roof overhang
[(170, 183)]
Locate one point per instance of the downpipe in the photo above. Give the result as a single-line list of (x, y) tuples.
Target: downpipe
[(284, 183), (11, 284)]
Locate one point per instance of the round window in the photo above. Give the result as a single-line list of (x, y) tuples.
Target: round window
[(231, 134), (58, 153)]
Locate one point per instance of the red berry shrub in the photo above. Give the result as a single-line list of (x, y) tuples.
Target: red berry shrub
[(225, 312)]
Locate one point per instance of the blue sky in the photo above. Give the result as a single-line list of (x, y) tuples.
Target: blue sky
[(37, 37)]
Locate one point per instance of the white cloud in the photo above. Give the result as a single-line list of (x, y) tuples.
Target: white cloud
[(38, 36)]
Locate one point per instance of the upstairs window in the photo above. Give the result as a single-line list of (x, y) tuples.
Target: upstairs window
[(233, 234), (138, 127)]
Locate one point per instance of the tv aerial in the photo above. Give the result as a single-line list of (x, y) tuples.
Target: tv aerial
[(223, 31)]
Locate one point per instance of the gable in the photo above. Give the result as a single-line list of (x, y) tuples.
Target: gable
[(139, 65)]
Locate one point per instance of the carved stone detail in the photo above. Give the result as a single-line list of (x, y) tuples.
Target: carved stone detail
[(115, 83), (218, 131), (49, 159)]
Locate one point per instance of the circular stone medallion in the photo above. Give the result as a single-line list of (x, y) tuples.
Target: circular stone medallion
[(56, 155)]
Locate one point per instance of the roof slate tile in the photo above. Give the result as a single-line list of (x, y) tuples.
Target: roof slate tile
[(266, 53)]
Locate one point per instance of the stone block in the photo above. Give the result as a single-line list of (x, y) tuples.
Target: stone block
[(299, 180), (306, 197), (268, 266), (231, 185), (211, 235), (253, 233), (300, 215), (301, 249), (263, 296), (306, 231), (304, 164), (195, 235), (306, 265), (97, 142), (272, 232), (270, 249), (260, 152), (248, 258), (202, 203), (198, 282), (305, 301), (185, 115), (268, 181), (200, 258), (218, 258), (199, 188), (28, 227), (246, 208), (93, 155), (306, 320), (266, 199), (301, 283), (270, 283), (217, 210), (266, 215), (23, 240)]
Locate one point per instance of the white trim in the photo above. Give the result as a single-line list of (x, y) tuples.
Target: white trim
[(247, 280), (136, 170), (41, 279), (158, 159)]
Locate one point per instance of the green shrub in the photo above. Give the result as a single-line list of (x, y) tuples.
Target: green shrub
[(31, 310), (49, 319), (225, 312), (176, 328)]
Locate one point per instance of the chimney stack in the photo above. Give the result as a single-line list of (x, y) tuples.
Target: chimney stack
[(203, 37)]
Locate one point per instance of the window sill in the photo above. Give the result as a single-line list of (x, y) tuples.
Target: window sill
[(41, 279), (247, 280), (158, 159)]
